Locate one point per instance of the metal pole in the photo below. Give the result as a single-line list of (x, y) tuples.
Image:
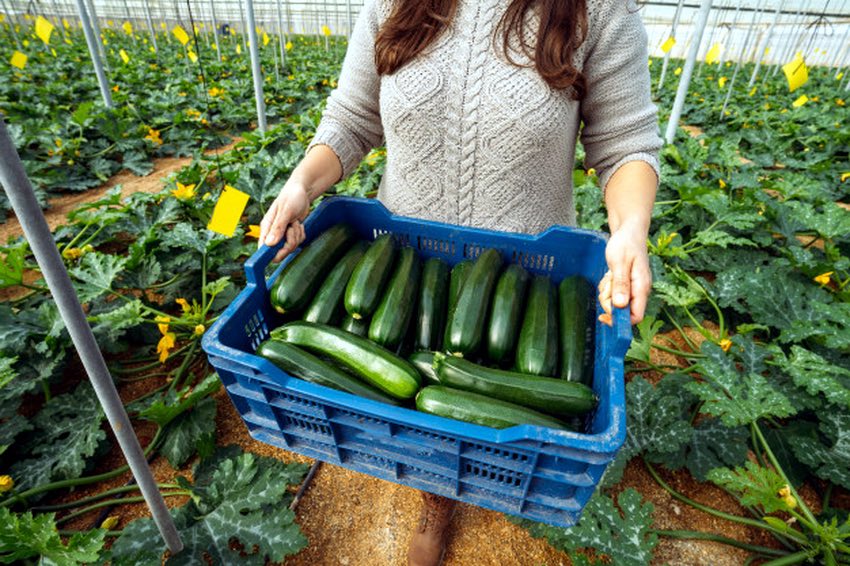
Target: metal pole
[(92, 18), (687, 72), (281, 37), (255, 66), (740, 60), (666, 55), (351, 17), (11, 24), (728, 41), (837, 61), (791, 43), (710, 42), (760, 50), (149, 21), (93, 42), (20, 193), (242, 19), (215, 30)]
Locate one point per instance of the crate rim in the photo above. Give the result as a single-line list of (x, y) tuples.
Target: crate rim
[(604, 443)]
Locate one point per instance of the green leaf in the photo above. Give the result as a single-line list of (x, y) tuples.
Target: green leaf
[(737, 397), (24, 536), (95, 274), (190, 433), (714, 445), (243, 497), (166, 407), (82, 113), (830, 457), (720, 239), (623, 536), (753, 485), (641, 346), (213, 288), (110, 326), (657, 417), (67, 431), (818, 376), (12, 267)]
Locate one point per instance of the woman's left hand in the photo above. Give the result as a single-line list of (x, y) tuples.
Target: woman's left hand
[(629, 279)]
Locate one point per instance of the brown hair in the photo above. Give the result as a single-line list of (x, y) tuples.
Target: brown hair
[(413, 25)]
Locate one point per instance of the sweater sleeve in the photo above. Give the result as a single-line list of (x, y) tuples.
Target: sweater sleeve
[(351, 123), (620, 120)]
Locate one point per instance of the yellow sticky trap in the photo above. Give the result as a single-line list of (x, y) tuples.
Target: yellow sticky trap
[(800, 101), (66, 24), (128, 28), (796, 72), (193, 57), (238, 48), (288, 46), (228, 210), (266, 39), (845, 176), (721, 82), (713, 54), (124, 56), (753, 91), (232, 31), (18, 60), (43, 29), (678, 71), (668, 45), (180, 34), (326, 31), (839, 76), (2, 18)]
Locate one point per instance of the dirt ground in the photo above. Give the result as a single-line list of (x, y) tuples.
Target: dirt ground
[(354, 519)]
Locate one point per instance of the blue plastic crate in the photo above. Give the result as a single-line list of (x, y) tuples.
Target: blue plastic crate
[(530, 471)]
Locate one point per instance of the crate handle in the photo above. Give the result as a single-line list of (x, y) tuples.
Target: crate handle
[(622, 331), (255, 267)]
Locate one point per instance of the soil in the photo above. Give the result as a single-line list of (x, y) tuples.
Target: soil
[(355, 519)]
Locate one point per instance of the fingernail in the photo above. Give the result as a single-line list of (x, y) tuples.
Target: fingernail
[(269, 240), (620, 298)]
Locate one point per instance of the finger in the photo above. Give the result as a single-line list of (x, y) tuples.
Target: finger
[(605, 292), (621, 283), (641, 287), (279, 226), (266, 223), (606, 280), (606, 318)]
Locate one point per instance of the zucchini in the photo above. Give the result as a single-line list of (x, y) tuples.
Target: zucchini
[(506, 313), (474, 408), (460, 272), (547, 394), (390, 321), (574, 297), (326, 307), (431, 313), (358, 326), (423, 360), (294, 288), (375, 364), (308, 367), (465, 326), (537, 349), (363, 292)]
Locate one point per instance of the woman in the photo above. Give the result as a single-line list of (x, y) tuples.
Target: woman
[(479, 103)]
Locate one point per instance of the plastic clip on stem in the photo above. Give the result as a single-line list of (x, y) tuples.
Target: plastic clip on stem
[(20, 193)]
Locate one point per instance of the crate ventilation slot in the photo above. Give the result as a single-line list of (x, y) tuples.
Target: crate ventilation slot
[(542, 262), (424, 434), (297, 400), (472, 251), (434, 245), (493, 474), (305, 424), (256, 329), (504, 454)]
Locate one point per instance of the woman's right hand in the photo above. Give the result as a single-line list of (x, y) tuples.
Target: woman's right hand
[(284, 217)]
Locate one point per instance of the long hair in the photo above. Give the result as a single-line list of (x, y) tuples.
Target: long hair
[(413, 25)]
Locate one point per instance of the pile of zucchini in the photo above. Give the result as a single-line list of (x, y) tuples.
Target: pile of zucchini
[(481, 342)]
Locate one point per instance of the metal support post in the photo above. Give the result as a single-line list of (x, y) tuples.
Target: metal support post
[(20, 193), (151, 29), (764, 46), (256, 71), (741, 53), (93, 43), (215, 30), (11, 23), (666, 55), (687, 72), (281, 37), (244, 31)]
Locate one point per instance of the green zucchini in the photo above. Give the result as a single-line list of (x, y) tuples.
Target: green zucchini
[(375, 364), (506, 313), (326, 307), (308, 367), (547, 394), (465, 326), (537, 349), (575, 300), (390, 321), (358, 326), (431, 313), (366, 285), (423, 360), (295, 286), (479, 409), (460, 272)]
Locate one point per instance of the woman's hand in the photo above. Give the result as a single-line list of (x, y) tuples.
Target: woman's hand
[(629, 279), (284, 219)]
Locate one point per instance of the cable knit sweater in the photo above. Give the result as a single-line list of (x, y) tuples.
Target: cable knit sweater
[(474, 140)]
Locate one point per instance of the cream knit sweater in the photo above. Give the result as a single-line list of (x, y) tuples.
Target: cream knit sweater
[(474, 140)]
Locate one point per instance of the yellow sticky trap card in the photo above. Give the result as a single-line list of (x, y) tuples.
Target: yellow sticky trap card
[(228, 210)]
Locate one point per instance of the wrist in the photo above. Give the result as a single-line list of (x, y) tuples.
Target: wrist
[(636, 224)]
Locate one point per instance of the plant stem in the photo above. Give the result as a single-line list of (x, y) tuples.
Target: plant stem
[(678, 352), (790, 559), (67, 533), (826, 495), (719, 538), (97, 496), (711, 510), (111, 502), (181, 371)]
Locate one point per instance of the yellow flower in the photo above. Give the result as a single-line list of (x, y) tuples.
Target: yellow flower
[(725, 344), (115, 88), (845, 176), (166, 343), (290, 78), (184, 192), (326, 31), (163, 324), (839, 101), (253, 231), (200, 329), (591, 172), (72, 253), (786, 496), (6, 483), (722, 183), (58, 142), (823, 278), (678, 71), (109, 523), (215, 91), (184, 304), (288, 46), (153, 136), (192, 113), (324, 82)]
